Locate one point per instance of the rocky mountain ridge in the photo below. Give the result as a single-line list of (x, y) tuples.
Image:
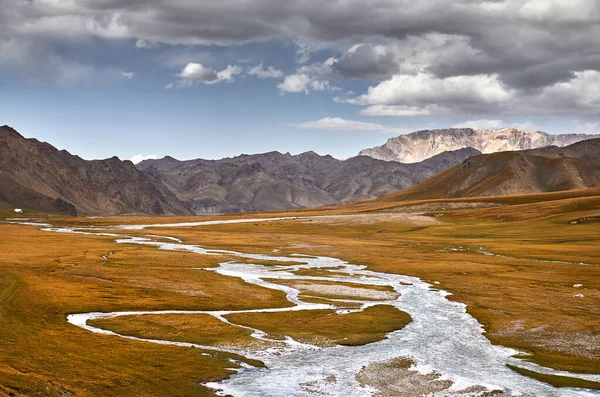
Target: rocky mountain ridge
[(36, 175), (421, 145), (283, 181), (547, 169)]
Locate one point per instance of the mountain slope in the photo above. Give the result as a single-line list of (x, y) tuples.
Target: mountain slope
[(421, 145), (281, 181), (510, 173), (36, 175)]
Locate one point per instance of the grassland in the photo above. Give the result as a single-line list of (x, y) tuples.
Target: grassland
[(525, 298), (45, 276), (319, 327), (325, 327)]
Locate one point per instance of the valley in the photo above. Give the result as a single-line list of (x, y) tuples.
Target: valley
[(250, 198), (512, 265)]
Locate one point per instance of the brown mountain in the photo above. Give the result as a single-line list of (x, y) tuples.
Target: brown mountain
[(279, 181), (546, 169), (36, 175)]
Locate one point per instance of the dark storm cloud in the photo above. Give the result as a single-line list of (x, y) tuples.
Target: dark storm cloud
[(523, 47), (365, 62)]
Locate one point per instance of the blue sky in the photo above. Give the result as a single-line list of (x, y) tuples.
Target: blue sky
[(114, 78)]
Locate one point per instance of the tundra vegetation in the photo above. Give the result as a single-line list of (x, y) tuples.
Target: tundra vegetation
[(528, 268)]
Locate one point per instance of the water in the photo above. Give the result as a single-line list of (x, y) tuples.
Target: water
[(442, 337)]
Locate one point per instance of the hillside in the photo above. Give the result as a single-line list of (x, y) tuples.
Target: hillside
[(38, 176), (276, 181), (547, 169), (421, 145)]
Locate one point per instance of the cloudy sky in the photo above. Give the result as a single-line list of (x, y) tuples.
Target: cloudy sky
[(206, 78)]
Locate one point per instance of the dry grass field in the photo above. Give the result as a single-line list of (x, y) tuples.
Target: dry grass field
[(515, 265)]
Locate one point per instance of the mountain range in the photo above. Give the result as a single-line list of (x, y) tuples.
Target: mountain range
[(420, 145), (36, 175), (547, 169), (282, 181)]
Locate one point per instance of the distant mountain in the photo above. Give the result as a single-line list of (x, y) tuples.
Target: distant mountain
[(421, 145), (36, 175), (276, 181), (547, 169)]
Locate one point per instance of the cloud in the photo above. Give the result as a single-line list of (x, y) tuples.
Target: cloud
[(127, 75), (486, 124), (323, 85), (368, 62), (295, 83), (423, 93), (229, 72), (262, 73), (399, 110), (303, 53), (194, 73), (138, 158), (340, 124), (141, 43), (308, 78), (587, 128), (528, 49)]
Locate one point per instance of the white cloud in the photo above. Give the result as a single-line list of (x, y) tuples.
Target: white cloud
[(308, 78), (138, 158), (424, 89), (127, 75), (485, 124), (323, 85), (587, 128), (198, 73), (294, 83), (229, 72), (425, 94), (146, 44), (391, 110), (577, 95), (340, 124), (262, 73)]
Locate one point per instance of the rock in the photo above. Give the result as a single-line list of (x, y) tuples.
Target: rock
[(436, 282), (405, 282), (577, 285), (37, 176), (279, 181), (578, 296), (420, 145)]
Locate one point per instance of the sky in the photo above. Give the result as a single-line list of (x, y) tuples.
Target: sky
[(212, 79)]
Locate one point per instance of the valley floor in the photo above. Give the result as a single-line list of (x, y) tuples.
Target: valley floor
[(528, 270)]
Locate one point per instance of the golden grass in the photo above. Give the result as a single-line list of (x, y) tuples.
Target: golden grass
[(500, 292), (201, 329), (522, 302), (45, 276), (326, 327), (557, 381)]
